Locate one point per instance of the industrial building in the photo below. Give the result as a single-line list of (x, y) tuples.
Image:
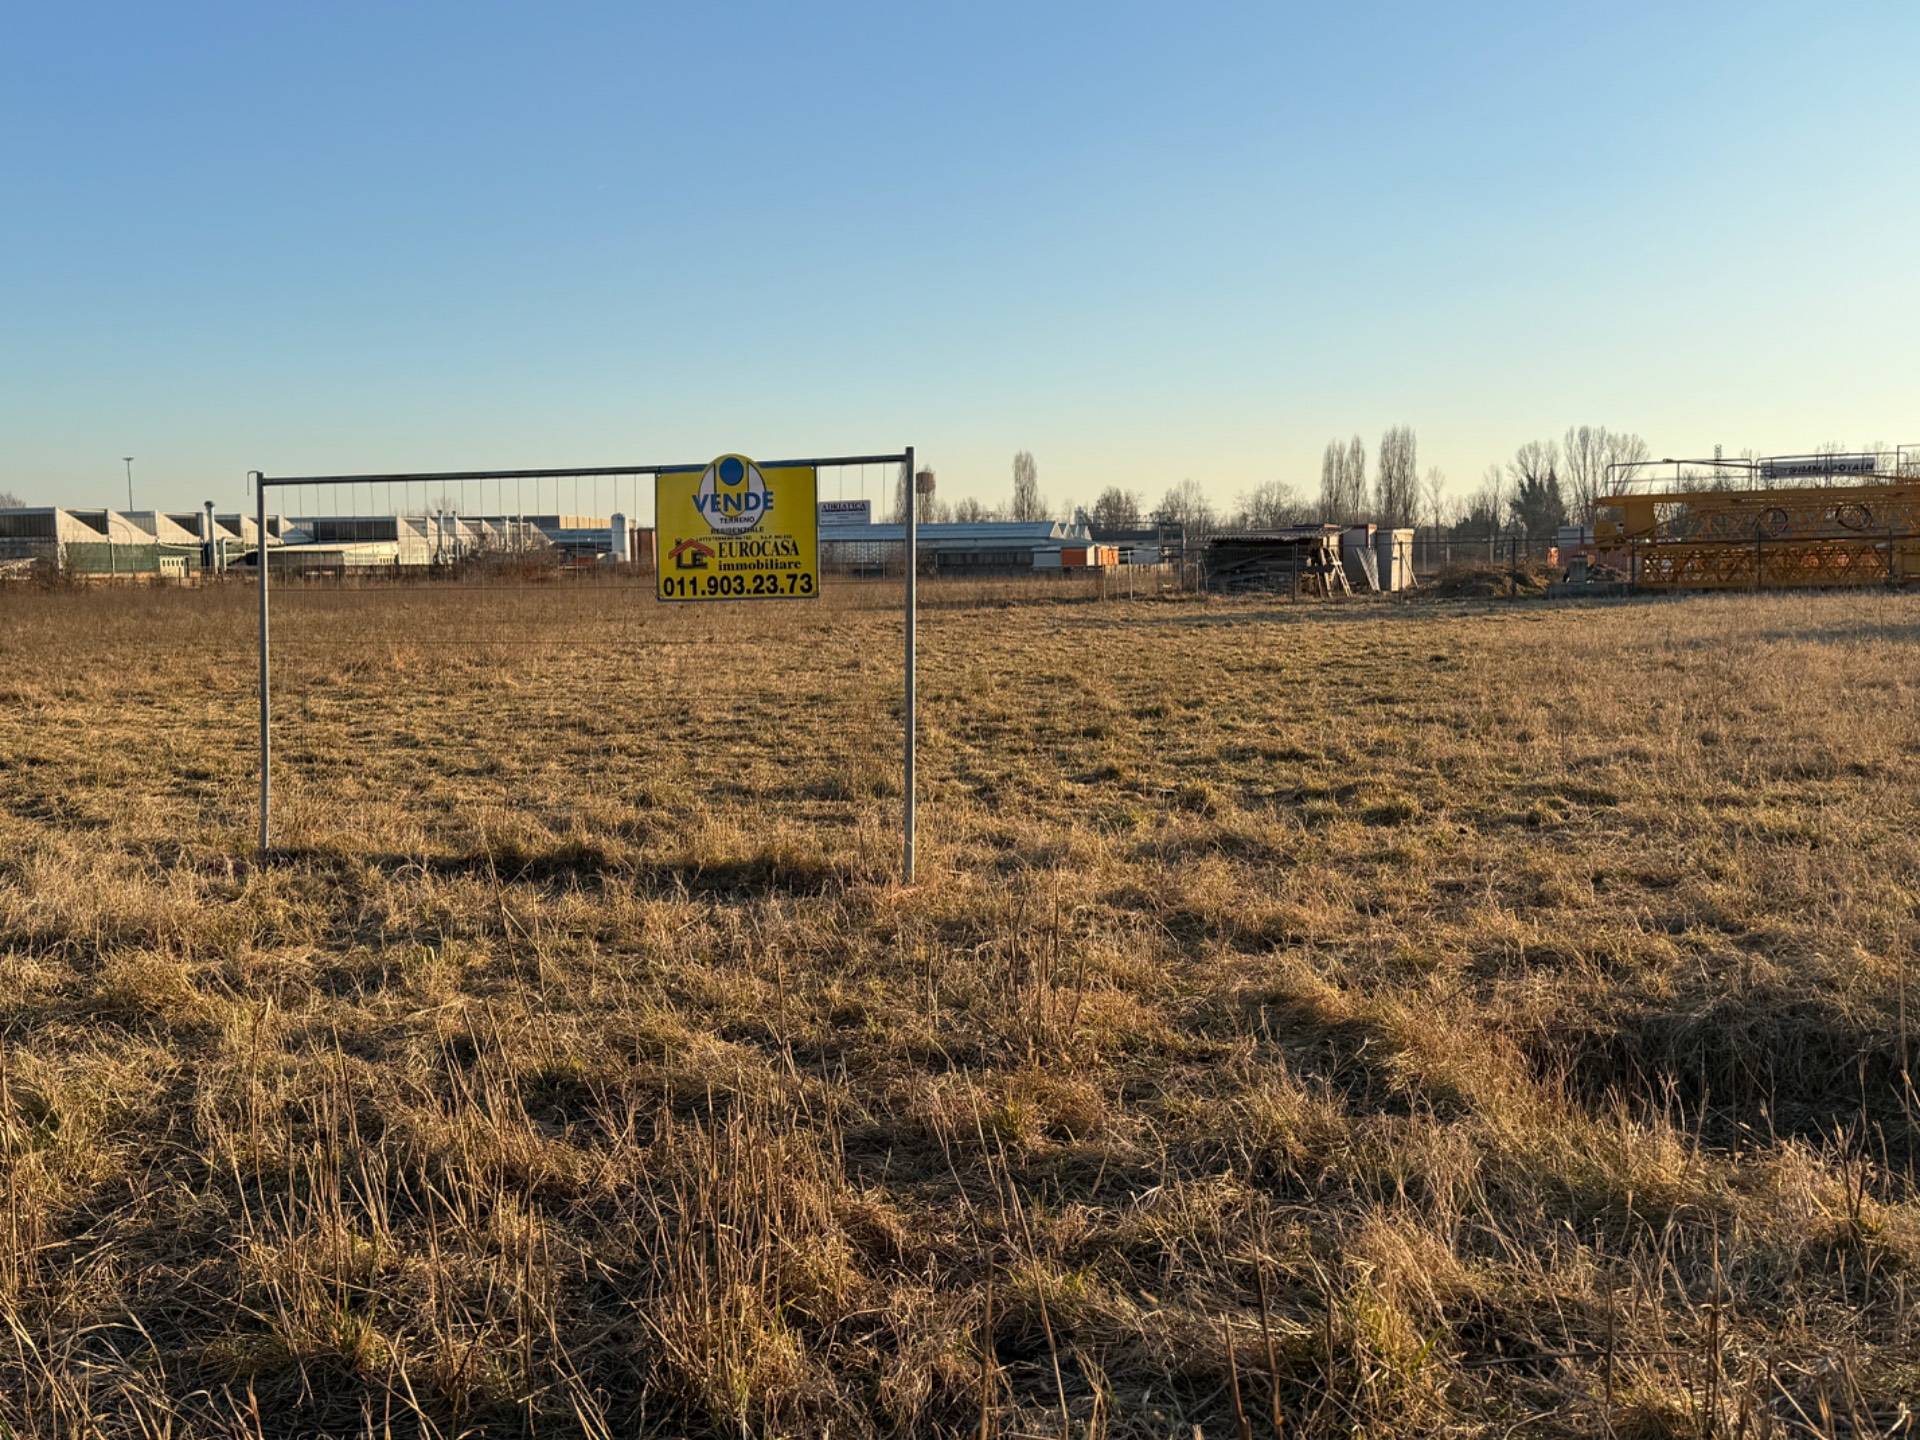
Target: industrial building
[(166, 545), (363, 544), (113, 544), (179, 545), (966, 547), (581, 539)]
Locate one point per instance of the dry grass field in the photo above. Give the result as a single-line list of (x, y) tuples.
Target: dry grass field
[(1371, 1020)]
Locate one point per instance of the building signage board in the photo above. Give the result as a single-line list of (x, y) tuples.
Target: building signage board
[(1794, 466), (735, 531), (846, 512)]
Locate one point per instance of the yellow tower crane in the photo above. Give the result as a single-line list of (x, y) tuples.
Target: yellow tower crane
[(1764, 539)]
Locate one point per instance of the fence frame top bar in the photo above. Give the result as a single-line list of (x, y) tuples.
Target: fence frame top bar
[(430, 477)]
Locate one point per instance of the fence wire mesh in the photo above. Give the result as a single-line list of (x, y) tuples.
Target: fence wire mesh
[(479, 670)]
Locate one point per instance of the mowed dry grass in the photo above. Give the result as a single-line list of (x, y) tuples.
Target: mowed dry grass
[(1322, 1021)]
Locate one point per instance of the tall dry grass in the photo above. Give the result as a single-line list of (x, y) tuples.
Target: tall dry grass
[(1373, 1020)]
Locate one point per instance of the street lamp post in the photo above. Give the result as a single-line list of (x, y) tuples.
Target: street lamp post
[(129, 462)]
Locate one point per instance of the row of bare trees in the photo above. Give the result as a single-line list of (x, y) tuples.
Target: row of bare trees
[(1186, 504), (1267, 506), (1547, 483), (1394, 499), (1343, 481)]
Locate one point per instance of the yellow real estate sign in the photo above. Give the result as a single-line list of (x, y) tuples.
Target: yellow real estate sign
[(736, 531)]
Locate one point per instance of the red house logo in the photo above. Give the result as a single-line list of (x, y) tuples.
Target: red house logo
[(691, 554)]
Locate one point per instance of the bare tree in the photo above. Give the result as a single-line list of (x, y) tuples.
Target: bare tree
[(1027, 504), (1435, 492), (11, 501), (1535, 501), (1353, 484), (1333, 470), (1117, 509), (1486, 508), (1584, 449), (1534, 461), (1343, 482), (1586, 455), (1270, 506), (1396, 491), (971, 510), (1626, 456), (1186, 505)]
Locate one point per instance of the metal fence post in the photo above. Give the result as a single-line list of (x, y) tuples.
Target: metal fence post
[(912, 618), (260, 555)]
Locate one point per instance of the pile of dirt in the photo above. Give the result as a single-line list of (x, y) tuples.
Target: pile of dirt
[(1489, 582)]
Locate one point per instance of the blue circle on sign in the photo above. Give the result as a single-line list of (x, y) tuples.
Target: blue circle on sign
[(732, 471)]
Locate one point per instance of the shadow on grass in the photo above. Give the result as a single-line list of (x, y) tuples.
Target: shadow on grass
[(1271, 609), (1764, 1064), (1849, 632), (578, 866)]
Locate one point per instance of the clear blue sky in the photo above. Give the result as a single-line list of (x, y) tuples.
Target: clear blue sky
[(1143, 241)]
